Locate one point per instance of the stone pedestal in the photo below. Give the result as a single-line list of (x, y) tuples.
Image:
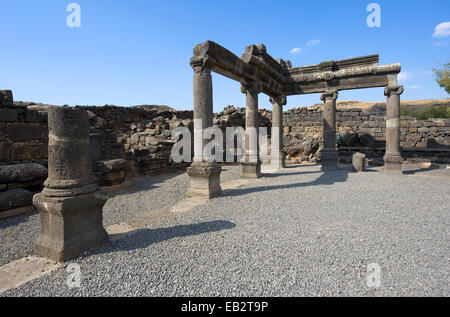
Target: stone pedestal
[(70, 205), (329, 155), (251, 167), (204, 176), (204, 180), (278, 158), (69, 225), (393, 160)]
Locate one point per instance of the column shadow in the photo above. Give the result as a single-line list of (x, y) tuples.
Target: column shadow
[(327, 178), (142, 238)]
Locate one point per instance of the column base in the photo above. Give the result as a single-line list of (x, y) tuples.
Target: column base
[(251, 170), (329, 159), (279, 161), (205, 180), (393, 163), (69, 225)]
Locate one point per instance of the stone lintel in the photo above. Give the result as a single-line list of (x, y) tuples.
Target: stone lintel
[(227, 64)]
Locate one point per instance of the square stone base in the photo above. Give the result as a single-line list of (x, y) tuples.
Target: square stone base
[(69, 225), (279, 160), (329, 160), (393, 164), (205, 180), (251, 170)]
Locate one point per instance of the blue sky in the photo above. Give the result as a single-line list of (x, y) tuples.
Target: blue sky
[(137, 52)]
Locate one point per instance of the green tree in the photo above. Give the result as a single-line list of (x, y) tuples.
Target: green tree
[(442, 77)]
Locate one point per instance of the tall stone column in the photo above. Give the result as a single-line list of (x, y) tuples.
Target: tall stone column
[(329, 156), (70, 205), (393, 160), (277, 155), (251, 167), (204, 176)]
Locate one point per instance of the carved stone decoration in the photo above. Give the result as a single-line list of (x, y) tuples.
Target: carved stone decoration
[(70, 206), (393, 160), (329, 156)]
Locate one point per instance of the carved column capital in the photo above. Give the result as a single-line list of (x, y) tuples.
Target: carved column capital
[(393, 90), (329, 94), (201, 65), (280, 100), (253, 87)]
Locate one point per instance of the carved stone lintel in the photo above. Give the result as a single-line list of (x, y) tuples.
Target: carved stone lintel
[(393, 90), (329, 94)]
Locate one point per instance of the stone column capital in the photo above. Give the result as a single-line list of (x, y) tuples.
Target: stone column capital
[(280, 100), (253, 87), (329, 94), (393, 90), (201, 65)]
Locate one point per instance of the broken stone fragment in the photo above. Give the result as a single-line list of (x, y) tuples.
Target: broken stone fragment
[(15, 198), (22, 173)]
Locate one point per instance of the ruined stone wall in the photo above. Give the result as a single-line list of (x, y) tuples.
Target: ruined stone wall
[(359, 128), (23, 134)]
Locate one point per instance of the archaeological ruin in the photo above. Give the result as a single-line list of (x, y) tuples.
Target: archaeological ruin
[(63, 155)]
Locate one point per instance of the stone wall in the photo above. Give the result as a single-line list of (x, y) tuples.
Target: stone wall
[(23, 134), (360, 128)]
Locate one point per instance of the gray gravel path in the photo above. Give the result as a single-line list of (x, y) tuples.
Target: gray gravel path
[(298, 233)]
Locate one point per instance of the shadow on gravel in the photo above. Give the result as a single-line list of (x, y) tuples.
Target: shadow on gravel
[(420, 170), (145, 183), (327, 178), (142, 238)]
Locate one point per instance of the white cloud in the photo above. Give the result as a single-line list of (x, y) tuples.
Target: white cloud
[(441, 43), (404, 76), (442, 30), (296, 50), (414, 87), (314, 42)]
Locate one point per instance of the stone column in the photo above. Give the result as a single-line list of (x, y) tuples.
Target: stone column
[(329, 156), (70, 205), (251, 167), (204, 176), (393, 160), (278, 157)]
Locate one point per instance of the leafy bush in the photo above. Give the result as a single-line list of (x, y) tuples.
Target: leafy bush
[(426, 113)]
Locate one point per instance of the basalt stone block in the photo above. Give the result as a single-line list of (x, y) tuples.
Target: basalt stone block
[(8, 115), (6, 98), (69, 225), (358, 162), (20, 132), (205, 180), (22, 173), (15, 198)]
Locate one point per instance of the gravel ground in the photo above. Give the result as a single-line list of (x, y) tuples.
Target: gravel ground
[(149, 194), (298, 233)]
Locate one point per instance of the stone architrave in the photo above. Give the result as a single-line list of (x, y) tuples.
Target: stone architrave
[(70, 205), (251, 166), (393, 160), (204, 175), (329, 155), (277, 155)]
